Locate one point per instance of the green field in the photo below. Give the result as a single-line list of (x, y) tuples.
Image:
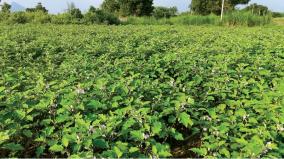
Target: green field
[(141, 91)]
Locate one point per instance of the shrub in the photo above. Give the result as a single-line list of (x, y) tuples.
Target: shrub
[(277, 14), (4, 16), (100, 17), (38, 17), (63, 18), (164, 12), (18, 18)]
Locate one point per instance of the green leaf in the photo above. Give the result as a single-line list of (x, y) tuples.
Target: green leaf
[(190, 101), (21, 114), (162, 150), (133, 149), (100, 143), (264, 72), (3, 137), (176, 134), (94, 104), (100, 83), (185, 119), (241, 112), (65, 141), (28, 133), (165, 154), (39, 151), (241, 141), (2, 89), (154, 150), (128, 123), (117, 152), (138, 135), (222, 107), (56, 148), (224, 127), (225, 152), (181, 97), (13, 147), (212, 113), (200, 151), (157, 127), (62, 118), (115, 104), (253, 120)]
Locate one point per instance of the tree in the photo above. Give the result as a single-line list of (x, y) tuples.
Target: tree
[(111, 6), (136, 7), (257, 9), (6, 8), (99, 16), (205, 7), (74, 12), (164, 12), (129, 7), (92, 9), (39, 8)]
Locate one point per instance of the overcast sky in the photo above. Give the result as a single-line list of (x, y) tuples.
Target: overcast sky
[(55, 6)]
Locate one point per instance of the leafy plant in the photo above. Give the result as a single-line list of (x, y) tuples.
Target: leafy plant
[(83, 91)]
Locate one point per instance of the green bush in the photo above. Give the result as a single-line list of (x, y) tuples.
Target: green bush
[(27, 17), (63, 18), (18, 18), (164, 12), (100, 17), (277, 14), (38, 17), (4, 16)]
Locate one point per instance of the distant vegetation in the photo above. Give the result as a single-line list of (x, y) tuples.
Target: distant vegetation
[(205, 7), (112, 12), (240, 18)]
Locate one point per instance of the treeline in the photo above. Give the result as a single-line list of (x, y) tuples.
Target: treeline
[(73, 15), (143, 12)]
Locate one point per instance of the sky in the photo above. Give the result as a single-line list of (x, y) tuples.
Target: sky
[(57, 6)]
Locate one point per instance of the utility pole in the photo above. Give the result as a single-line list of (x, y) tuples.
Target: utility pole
[(222, 11)]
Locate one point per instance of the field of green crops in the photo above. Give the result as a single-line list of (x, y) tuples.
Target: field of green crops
[(141, 91)]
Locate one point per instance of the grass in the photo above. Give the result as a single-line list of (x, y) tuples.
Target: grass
[(278, 21), (237, 18)]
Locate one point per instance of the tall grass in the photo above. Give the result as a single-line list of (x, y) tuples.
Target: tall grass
[(236, 18), (146, 21), (178, 20), (246, 19), (196, 20)]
